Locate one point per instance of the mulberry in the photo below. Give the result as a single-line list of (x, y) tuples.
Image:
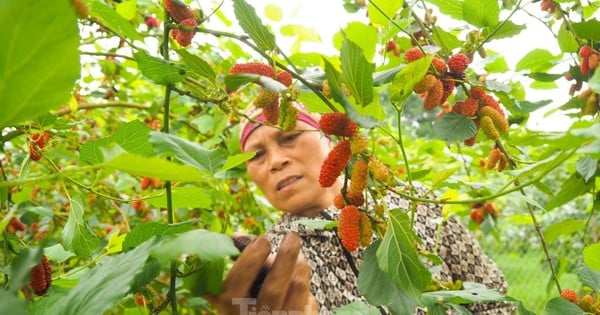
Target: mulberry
[(358, 179), (503, 163), (500, 122), (488, 127), (471, 141), (467, 107), (458, 63), (593, 61), (271, 113), (434, 96), (178, 10), (334, 163), (145, 183), (284, 78), (448, 87), (358, 143), (41, 277), (41, 138), (477, 93), (439, 65), (425, 84), (338, 201), (253, 67), (569, 295), (288, 116), (348, 228), (337, 124), (378, 170), (34, 153), (585, 51), (584, 66), (365, 229), (493, 158), (488, 100), (413, 54), (266, 98), (356, 199), (15, 225), (184, 37), (586, 303)]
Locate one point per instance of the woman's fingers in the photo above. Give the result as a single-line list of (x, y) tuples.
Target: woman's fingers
[(298, 297)]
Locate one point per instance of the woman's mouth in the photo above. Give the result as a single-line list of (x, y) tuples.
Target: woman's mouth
[(286, 182)]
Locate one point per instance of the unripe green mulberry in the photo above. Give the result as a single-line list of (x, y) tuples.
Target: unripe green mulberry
[(425, 84), (358, 179), (288, 116), (366, 232), (500, 122), (488, 127), (378, 170), (266, 98), (358, 143)]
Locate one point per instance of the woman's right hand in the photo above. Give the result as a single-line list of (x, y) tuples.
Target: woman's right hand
[(286, 286)]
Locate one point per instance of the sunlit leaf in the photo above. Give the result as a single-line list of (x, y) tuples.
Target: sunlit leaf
[(207, 245), (481, 13), (131, 136), (589, 29), (364, 36), (453, 8), (126, 9), (253, 26), (273, 12), (591, 256), (454, 127), (183, 197), (566, 40), (112, 20), (573, 187), (566, 227), (39, 58), (77, 235), (389, 8), (537, 60), (505, 29), (237, 159), (145, 231), (159, 70), (197, 64), (446, 40), (357, 73), (587, 167), (155, 167), (407, 78)]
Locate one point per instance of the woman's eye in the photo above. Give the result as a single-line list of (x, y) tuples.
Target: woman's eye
[(257, 155), (290, 137)]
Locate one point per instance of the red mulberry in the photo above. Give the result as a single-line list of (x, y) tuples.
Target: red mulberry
[(334, 163), (284, 78), (493, 158), (34, 153), (477, 93), (348, 228), (439, 65), (413, 54), (434, 96), (41, 277), (271, 113), (337, 124), (458, 63), (356, 199), (448, 86), (178, 10), (184, 37), (15, 225), (338, 201), (365, 229), (503, 163), (467, 107), (569, 295), (266, 98), (253, 67), (585, 51)]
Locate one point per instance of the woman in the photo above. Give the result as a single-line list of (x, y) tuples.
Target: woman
[(286, 169)]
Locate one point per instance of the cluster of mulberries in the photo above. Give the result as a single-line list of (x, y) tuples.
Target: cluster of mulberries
[(15, 225), (587, 303), (485, 112), (440, 81), (183, 15), (37, 143), (497, 159), (283, 77), (479, 212), (337, 124), (334, 163), (41, 277), (349, 227), (149, 182)]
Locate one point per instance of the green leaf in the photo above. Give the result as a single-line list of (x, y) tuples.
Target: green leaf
[(404, 82), (523, 310), (589, 277), (389, 8), (112, 20), (362, 35), (235, 160), (398, 257), (206, 280), (126, 9), (544, 76), (57, 253), (454, 127), (537, 60), (446, 40), (107, 283), (440, 177), (498, 64), (591, 256), (386, 76), (472, 292), (356, 308), (589, 29), (453, 8), (183, 197), (357, 72), (149, 272), (481, 13), (594, 83), (573, 187), (131, 136), (20, 267), (253, 26), (159, 70), (155, 167), (77, 236), (39, 60), (377, 287), (566, 227), (189, 153), (505, 29), (562, 306), (587, 167), (197, 64), (12, 304), (318, 224), (566, 40), (145, 231), (209, 246)]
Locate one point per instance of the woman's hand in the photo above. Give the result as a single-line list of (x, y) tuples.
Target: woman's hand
[(286, 286)]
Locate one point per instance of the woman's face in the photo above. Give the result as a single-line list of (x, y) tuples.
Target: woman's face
[(286, 168)]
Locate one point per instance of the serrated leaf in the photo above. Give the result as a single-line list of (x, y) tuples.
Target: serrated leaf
[(440, 177), (544, 76), (159, 70), (398, 257), (145, 231), (253, 26), (404, 82), (149, 272), (376, 287), (505, 29), (131, 136), (39, 59), (183, 197), (537, 60), (454, 127), (364, 36), (453, 8), (112, 20), (107, 283), (473, 292), (155, 167), (573, 187), (208, 246), (446, 40), (566, 40), (389, 8), (586, 167), (481, 13), (197, 64), (566, 227), (57, 253), (189, 153), (357, 72), (562, 306), (589, 29), (77, 236), (591, 256), (589, 277)]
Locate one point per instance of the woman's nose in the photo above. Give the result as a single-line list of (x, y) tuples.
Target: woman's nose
[(278, 161)]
